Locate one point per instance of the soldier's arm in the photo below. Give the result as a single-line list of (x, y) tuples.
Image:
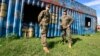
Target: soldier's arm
[(40, 16), (71, 20), (50, 17)]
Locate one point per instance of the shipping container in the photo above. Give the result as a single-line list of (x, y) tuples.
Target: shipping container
[(18, 15)]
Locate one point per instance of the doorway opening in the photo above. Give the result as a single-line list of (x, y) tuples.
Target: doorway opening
[(87, 22), (30, 17), (31, 13)]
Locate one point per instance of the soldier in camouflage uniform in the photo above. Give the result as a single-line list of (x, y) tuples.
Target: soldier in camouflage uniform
[(66, 21), (43, 19)]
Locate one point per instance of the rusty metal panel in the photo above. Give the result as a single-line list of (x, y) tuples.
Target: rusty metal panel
[(10, 16), (1, 19), (82, 8), (21, 16), (3, 14), (17, 15)]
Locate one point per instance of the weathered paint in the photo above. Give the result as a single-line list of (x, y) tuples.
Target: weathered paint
[(12, 22), (3, 11)]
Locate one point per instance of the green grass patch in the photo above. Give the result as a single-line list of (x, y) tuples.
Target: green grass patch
[(82, 46)]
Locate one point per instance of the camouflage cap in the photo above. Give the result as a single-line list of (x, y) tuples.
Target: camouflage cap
[(48, 5), (65, 10)]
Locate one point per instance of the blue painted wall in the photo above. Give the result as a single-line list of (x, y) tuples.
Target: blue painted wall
[(12, 22)]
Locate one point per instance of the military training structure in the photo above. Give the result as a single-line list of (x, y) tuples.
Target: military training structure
[(18, 15)]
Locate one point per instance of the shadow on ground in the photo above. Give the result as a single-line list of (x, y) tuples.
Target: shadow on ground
[(51, 44), (75, 40)]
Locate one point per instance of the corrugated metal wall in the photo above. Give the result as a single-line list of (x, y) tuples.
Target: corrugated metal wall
[(11, 21)]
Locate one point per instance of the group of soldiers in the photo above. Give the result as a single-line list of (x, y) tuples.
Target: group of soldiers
[(44, 19)]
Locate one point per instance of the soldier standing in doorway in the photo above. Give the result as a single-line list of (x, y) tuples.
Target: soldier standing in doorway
[(44, 19), (66, 21)]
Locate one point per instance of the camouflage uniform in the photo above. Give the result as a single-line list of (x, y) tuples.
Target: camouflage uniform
[(44, 18), (65, 21)]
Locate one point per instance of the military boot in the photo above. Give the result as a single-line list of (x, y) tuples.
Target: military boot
[(69, 45), (46, 49)]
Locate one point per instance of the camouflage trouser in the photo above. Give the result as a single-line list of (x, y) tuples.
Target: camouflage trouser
[(44, 35), (67, 32)]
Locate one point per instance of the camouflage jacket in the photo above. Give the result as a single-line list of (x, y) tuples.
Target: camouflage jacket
[(66, 20), (44, 18)]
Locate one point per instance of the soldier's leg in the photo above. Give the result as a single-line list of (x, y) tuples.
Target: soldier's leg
[(69, 37), (63, 35), (43, 38)]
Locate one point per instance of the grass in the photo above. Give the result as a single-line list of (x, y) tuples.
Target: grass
[(82, 46)]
